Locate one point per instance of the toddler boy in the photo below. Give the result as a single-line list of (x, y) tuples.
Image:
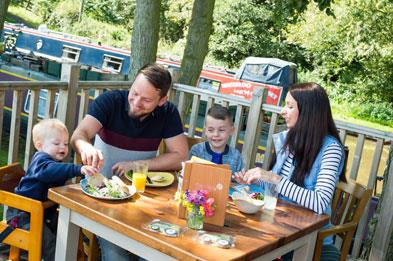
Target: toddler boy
[(46, 170)]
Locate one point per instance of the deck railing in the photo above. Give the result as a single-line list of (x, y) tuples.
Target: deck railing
[(72, 109)]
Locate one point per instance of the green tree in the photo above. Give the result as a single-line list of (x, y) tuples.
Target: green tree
[(112, 11), (145, 33), (3, 12), (175, 17), (352, 52), (64, 15), (257, 28), (197, 41)]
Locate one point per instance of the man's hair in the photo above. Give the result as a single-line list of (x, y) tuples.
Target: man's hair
[(46, 127), (158, 76), (219, 112)]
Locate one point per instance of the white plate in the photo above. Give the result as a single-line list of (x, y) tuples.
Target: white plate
[(168, 179), (83, 184)]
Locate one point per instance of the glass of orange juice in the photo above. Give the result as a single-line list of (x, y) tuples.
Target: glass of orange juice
[(139, 175)]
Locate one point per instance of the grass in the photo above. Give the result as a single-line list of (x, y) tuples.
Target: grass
[(17, 14), (343, 113), (4, 149)]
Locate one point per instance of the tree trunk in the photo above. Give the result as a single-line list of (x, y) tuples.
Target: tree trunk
[(373, 222), (3, 11), (144, 40), (197, 41)]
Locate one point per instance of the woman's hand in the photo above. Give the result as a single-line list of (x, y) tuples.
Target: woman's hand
[(252, 175)]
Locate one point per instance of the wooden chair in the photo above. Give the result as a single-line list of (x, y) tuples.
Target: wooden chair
[(29, 240), (191, 141), (348, 204), (87, 246)]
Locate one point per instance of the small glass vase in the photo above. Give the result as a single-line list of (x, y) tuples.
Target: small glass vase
[(195, 220)]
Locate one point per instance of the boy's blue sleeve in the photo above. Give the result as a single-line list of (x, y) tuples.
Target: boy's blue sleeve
[(194, 151), (53, 171)]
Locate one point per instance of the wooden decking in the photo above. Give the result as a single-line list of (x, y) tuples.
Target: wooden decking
[(74, 100)]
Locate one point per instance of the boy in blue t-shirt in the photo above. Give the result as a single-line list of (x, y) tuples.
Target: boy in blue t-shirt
[(218, 129), (46, 170)]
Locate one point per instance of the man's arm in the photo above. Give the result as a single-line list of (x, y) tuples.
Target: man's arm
[(176, 152), (81, 142)]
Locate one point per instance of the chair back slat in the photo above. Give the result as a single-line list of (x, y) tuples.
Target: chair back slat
[(10, 176), (29, 240), (349, 201)]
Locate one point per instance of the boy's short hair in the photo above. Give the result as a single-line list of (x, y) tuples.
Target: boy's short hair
[(219, 112), (44, 127)]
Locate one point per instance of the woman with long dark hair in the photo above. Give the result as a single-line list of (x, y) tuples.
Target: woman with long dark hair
[(309, 155)]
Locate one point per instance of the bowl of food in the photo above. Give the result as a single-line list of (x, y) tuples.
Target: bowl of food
[(248, 203)]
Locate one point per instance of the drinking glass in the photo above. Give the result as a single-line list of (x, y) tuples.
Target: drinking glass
[(139, 175), (270, 195)]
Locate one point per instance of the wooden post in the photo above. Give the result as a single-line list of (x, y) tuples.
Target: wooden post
[(384, 227), (50, 103), (267, 159), (68, 98), (237, 124), (357, 156), (2, 101), (253, 130), (32, 119), (194, 115), (15, 126), (357, 243)]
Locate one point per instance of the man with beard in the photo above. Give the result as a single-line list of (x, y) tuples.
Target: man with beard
[(129, 125)]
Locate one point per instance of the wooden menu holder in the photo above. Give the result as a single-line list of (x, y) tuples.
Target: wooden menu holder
[(214, 178)]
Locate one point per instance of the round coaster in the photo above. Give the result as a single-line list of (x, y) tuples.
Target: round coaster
[(207, 239), (170, 231), (223, 243), (155, 227)]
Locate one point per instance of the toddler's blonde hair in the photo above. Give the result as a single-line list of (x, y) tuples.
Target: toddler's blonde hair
[(46, 127)]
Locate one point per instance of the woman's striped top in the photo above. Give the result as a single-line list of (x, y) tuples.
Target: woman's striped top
[(320, 198)]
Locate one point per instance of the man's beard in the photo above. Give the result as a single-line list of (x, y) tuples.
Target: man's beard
[(137, 116)]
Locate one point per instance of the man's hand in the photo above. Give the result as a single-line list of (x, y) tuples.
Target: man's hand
[(91, 156), (81, 138), (122, 167)]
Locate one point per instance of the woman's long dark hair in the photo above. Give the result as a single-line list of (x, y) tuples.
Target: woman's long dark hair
[(314, 122)]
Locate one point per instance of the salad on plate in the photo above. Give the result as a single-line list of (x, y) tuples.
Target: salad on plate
[(101, 187)]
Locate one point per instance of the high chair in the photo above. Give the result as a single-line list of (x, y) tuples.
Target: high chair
[(29, 240)]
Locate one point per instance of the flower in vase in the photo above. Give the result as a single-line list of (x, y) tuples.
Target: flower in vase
[(197, 201)]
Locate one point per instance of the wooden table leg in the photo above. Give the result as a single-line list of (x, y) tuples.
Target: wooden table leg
[(306, 251), (67, 237)]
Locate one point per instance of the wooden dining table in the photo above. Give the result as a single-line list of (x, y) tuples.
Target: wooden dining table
[(262, 236)]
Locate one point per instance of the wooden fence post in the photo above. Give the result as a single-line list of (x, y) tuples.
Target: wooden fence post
[(32, 119), (253, 130), (66, 110), (15, 126), (384, 227)]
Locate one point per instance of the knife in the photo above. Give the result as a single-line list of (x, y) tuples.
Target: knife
[(149, 180)]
